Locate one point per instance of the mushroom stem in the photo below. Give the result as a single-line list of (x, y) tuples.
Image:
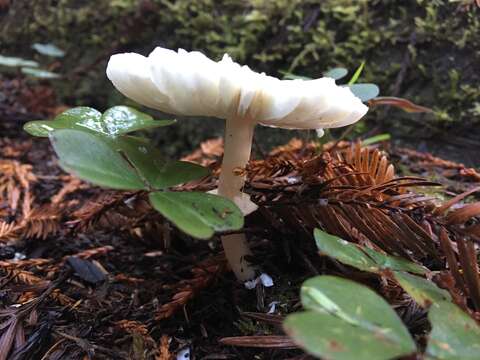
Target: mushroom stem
[(237, 149)]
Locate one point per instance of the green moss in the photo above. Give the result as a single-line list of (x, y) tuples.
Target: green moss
[(301, 36)]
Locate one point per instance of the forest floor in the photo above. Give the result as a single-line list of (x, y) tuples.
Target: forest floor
[(94, 273)]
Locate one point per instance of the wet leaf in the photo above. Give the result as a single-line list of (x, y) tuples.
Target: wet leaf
[(454, 336), (147, 160), (48, 49), (120, 120), (345, 320), (423, 291), (81, 118), (198, 214), (336, 73), (361, 257), (92, 159), (116, 121), (365, 92)]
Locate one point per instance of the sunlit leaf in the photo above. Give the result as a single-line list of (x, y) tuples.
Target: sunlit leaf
[(365, 92), (39, 73), (454, 336), (423, 291), (48, 49), (198, 214), (16, 62), (336, 73), (345, 320), (92, 159)]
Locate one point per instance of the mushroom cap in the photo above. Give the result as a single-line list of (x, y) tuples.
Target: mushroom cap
[(191, 84)]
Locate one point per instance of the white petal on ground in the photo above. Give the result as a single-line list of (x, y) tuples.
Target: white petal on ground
[(189, 83), (184, 354), (264, 279)]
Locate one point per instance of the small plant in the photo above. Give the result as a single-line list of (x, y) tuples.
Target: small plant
[(345, 320), (30, 67), (190, 84), (100, 148)]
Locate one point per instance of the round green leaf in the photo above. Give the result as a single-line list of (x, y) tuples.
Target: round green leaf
[(345, 320), (336, 73), (198, 214), (343, 251), (120, 120), (361, 257), (454, 336), (423, 291), (365, 91), (328, 337), (91, 158)]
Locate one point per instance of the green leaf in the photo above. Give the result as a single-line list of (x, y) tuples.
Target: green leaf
[(361, 257), (376, 139), (357, 74), (91, 158), (120, 120), (152, 167), (423, 291), (39, 73), (345, 320), (344, 251), (81, 118), (336, 73), (454, 336), (365, 92), (48, 49), (395, 263), (16, 62), (198, 214)]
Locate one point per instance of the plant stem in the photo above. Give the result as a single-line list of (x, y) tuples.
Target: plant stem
[(237, 149)]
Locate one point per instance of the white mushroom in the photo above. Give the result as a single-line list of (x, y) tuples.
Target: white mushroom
[(189, 83)]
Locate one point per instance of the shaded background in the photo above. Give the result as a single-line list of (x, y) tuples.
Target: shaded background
[(426, 51)]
